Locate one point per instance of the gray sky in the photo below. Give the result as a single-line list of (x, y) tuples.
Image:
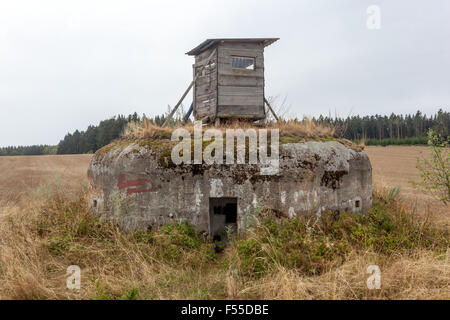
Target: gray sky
[(67, 64)]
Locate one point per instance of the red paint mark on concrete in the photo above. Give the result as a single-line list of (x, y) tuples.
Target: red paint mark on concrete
[(134, 186)]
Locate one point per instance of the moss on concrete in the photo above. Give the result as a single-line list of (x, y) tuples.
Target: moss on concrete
[(162, 147)]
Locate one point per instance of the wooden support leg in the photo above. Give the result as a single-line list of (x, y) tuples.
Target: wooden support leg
[(271, 110), (217, 124)]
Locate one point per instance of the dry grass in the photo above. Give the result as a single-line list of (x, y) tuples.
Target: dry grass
[(292, 128), (49, 228), (414, 257), (46, 234), (113, 267), (419, 276), (145, 129)]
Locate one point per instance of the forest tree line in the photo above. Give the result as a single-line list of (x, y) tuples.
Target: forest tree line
[(372, 130), (88, 141), (394, 128), (106, 131), (28, 150)]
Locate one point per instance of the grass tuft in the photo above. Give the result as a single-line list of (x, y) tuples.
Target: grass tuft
[(293, 129)]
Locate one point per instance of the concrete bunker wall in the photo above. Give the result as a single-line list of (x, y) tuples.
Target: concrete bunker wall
[(129, 184)]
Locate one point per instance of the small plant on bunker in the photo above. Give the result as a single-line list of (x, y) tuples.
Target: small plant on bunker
[(435, 170), (229, 232)]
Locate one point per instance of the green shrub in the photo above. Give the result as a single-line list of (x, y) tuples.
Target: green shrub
[(435, 170), (68, 227), (314, 244)]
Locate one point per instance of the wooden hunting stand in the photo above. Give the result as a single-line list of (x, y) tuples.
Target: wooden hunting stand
[(228, 80)]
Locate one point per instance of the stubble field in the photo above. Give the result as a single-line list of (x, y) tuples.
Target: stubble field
[(20, 174)]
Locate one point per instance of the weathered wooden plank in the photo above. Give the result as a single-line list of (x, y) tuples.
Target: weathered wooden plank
[(225, 52), (241, 111), (206, 96), (216, 83), (236, 80), (207, 79), (203, 112), (240, 91), (213, 61), (205, 89), (205, 54), (255, 100), (206, 107), (227, 70), (207, 71), (241, 45), (214, 53)]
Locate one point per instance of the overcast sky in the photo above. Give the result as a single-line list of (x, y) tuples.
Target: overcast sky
[(67, 64)]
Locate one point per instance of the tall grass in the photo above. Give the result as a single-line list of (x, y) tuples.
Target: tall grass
[(308, 257)]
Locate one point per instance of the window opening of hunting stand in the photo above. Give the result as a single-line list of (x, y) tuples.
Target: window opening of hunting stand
[(246, 63)]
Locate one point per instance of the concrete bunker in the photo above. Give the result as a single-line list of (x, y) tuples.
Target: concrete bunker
[(136, 184)]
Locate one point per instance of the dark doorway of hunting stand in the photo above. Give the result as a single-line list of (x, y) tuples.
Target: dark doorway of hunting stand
[(222, 218)]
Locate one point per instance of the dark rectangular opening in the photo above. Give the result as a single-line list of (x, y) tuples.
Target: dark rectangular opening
[(230, 212), (222, 217)]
